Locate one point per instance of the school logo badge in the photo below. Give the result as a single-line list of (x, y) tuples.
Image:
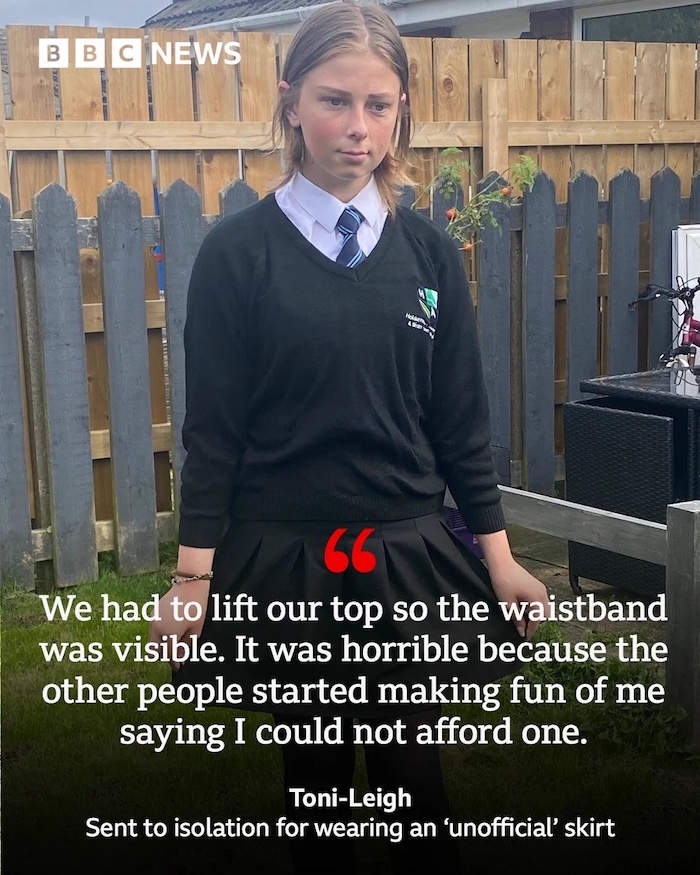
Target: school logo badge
[(428, 300)]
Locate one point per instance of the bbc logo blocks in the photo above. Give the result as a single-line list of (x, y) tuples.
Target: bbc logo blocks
[(61, 52)]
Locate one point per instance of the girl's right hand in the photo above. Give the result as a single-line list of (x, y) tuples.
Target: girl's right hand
[(196, 591)]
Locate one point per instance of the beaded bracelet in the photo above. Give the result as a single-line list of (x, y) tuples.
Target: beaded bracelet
[(178, 577)]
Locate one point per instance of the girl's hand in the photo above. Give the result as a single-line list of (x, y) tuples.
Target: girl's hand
[(514, 584), (196, 591)]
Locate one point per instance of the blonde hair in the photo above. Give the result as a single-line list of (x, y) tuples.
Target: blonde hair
[(335, 29)]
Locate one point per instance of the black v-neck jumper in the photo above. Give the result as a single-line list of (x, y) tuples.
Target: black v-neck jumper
[(317, 391)]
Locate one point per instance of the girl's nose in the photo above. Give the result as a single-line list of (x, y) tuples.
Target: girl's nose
[(358, 122)]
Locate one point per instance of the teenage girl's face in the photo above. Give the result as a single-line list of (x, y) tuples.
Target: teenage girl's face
[(347, 111)]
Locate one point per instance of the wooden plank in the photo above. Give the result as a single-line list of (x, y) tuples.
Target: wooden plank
[(618, 94), (622, 534), (124, 296), (100, 443), (216, 89), (680, 105), (80, 93), (695, 199), (16, 561), (30, 320), (555, 105), (181, 211), (663, 220), (650, 103), (65, 379), (451, 77), (486, 61), (419, 52), (623, 270), (32, 98), (682, 575), (257, 78), (493, 319), (128, 136), (135, 134), (587, 103), (171, 88), (127, 98), (538, 330), (521, 63), (582, 329), (93, 317), (127, 109), (495, 119)]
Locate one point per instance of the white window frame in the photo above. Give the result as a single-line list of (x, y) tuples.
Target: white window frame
[(624, 8)]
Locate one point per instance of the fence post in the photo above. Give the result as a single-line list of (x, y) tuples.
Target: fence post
[(16, 555), (664, 218), (126, 339), (494, 101), (623, 271), (539, 235), (683, 606), (64, 375), (493, 320)]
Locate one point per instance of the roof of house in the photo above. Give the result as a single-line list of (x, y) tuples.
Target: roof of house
[(188, 13)]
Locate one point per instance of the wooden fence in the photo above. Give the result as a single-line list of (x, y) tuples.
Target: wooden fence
[(573, 106), (50, 449)]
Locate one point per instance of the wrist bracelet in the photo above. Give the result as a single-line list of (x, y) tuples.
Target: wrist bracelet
[(179, 577)]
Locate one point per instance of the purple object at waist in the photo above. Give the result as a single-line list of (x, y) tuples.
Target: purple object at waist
[(456, 524)]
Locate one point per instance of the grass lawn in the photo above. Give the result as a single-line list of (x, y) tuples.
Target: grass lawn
[(64, 763)]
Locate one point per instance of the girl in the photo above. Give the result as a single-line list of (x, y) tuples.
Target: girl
[(334, 382)]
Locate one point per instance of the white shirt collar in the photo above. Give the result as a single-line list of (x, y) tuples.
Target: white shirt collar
[(326, 209)]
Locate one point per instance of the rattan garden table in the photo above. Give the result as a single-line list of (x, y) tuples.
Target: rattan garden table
[(632, 449)]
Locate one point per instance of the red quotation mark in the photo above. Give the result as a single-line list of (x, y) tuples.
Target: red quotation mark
[(362, 560)]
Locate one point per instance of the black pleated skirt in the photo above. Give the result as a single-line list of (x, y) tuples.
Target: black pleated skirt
[(268, 574)]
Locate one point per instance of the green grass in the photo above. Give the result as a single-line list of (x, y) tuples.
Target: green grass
[(63, 763)]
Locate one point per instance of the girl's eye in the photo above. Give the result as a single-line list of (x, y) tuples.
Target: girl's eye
[(379, 107)]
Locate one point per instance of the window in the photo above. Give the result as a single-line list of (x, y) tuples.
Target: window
[(676, 24)]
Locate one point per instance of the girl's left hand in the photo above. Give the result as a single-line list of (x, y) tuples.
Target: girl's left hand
[(514, 584)]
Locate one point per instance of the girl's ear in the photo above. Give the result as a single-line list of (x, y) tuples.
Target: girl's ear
[(291, 113)]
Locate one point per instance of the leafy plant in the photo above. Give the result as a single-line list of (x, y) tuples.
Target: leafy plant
[(464, 224)]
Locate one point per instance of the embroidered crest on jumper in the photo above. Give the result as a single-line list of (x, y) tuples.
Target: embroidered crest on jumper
[(428, 301)]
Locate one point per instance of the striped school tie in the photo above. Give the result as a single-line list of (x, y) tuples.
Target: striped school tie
[(350, 255)]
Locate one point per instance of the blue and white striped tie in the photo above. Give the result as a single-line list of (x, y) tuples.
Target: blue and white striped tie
[(350, 255)]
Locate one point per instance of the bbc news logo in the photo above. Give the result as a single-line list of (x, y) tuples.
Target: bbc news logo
[(130, 52)]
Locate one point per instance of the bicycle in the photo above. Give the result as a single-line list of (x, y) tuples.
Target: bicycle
[(682, 351)]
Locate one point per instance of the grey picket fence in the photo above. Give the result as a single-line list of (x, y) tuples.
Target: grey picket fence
[(45, 348)]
